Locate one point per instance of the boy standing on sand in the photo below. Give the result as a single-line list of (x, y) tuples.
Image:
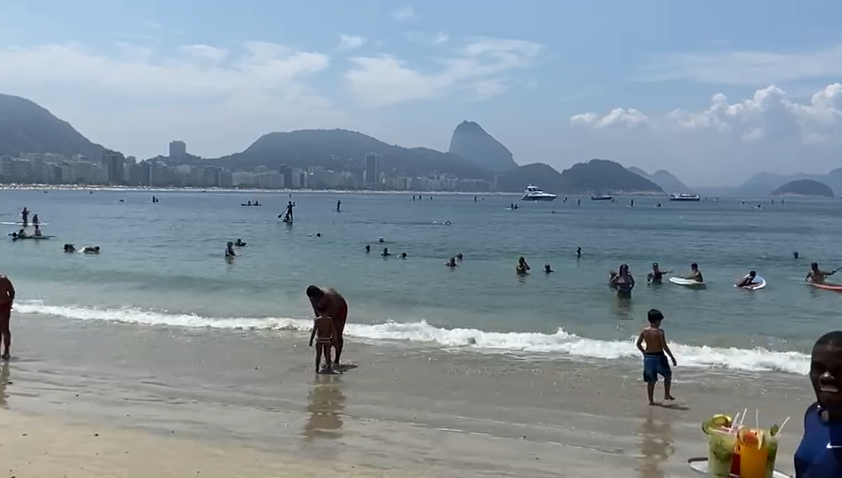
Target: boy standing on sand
[(324, 332), (655, 356)]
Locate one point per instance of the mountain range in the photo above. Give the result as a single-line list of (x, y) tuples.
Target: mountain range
[(26, 127)]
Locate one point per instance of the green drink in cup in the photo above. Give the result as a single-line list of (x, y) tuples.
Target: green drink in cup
[(721, 446)]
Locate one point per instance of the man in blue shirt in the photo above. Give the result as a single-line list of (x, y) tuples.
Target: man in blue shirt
[(820, 453)]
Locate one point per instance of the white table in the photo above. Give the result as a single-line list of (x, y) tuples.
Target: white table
[(700, 466)]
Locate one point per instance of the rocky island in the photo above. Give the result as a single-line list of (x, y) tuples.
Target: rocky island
[(804, 187), (472, 142), (597, 176)]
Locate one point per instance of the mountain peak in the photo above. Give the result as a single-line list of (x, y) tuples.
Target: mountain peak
[(26, 127), (473, 143)]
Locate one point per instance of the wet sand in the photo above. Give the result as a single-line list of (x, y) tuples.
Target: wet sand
[(399, 411)]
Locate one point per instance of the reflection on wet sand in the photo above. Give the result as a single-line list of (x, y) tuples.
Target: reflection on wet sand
[(326, 404), (4, 380), (655, 446)]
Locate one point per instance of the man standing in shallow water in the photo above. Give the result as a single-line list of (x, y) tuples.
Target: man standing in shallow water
[(7, 297), (327, 301)]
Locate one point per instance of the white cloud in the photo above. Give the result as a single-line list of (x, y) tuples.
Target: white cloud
[(768, 114), (386, 80), (151, 25), (618, 117), (350, 42), (744, 67), (404, 13), (725, 142), (222, 99)]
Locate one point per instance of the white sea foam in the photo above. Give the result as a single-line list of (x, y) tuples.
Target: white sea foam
[(559, 343)]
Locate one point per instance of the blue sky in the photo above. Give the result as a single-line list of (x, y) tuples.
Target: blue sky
[(544, 77)]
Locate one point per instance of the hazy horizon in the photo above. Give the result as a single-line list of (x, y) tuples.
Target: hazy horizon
[(713, 99)]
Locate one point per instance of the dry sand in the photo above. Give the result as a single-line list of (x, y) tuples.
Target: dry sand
[(36, 447)]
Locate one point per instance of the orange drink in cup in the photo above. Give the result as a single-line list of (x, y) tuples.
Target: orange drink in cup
[(754, 452)]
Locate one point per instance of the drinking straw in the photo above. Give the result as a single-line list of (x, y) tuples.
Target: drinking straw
[(781, 428), (745, 412), (734, 422), (757, 418)]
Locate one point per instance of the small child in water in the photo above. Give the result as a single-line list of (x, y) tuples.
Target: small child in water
[(324, 332), (655, 356)]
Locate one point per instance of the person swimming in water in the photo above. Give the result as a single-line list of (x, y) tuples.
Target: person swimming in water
[(816, 275), (90, 250), (338, 205), (747, 279), (69, 248), (578, 252), (403, 255), (452, 263), (657, 275), (239, 243), (548, 269), (459, 257), (367, 248), (623, 281), (229, 251), (385, 252), (522, 267), (695, 273)]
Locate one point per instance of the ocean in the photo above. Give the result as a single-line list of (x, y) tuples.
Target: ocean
[(516, 375), (162, 265)]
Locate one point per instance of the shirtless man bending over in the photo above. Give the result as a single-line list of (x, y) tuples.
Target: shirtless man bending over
[(330, 303), (7, 296)]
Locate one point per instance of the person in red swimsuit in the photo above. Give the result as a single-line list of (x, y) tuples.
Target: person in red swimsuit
[(7, 297), (330, 303)]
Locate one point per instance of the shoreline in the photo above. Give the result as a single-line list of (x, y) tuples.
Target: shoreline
[(395, 408)]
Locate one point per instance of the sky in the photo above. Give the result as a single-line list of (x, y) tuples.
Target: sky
[(712, 91)]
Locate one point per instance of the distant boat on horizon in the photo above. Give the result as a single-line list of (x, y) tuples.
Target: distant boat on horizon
[(602, 197), (685, 197)]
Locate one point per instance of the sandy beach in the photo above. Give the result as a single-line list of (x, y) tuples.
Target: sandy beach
[(247, 404)]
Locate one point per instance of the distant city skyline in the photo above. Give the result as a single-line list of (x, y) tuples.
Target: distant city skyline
[(712, 98)]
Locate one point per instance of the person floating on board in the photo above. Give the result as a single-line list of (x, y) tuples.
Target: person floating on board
[(748, 279), (695, 273), (90, 250), (24, 216), (326, 301), (7, 298), (816, 275), (655, 356)]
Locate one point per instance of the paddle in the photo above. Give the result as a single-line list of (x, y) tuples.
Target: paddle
[(835, 271)]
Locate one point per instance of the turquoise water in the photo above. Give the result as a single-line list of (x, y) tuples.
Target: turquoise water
[(162, 265)]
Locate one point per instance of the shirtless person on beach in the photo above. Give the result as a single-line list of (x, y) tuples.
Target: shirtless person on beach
[(324, 333), (328, 302), (7, 296), (655, 356)]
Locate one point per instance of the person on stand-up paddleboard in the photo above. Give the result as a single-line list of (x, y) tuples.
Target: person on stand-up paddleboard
[(816, 275), (695, 273), (327, 301)]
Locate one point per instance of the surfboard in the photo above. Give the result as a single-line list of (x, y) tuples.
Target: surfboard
[(21, 224), (833, 287), (31, 238), (687, 282), (759, 283)]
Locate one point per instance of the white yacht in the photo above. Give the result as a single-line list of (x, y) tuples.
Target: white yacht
[(532, 193), (685, 197)]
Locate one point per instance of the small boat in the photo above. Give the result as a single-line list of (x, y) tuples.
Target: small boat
[(533, 193), (602, 197), (685, 197)]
